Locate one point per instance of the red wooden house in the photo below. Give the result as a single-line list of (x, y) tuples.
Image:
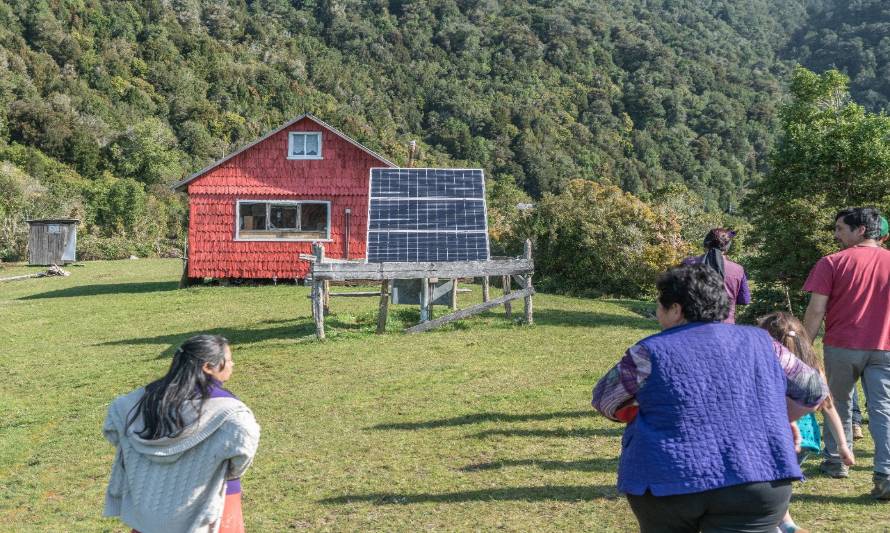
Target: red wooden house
[(253, 212)]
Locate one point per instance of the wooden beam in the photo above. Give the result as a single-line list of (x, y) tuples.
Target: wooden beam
[(35, 275), (367, 294), (381, 271), (311, 259), (384, 306), (318, 293), (326, 292), (529, 308), (469, 311), (508, 309), (485, 289), (425, 300), (454, 290), (357, 294)]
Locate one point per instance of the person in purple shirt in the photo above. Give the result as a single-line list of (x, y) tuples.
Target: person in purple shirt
[(735, 281)]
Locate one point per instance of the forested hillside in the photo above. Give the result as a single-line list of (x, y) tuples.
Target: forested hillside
[(106, 103), (853, 37)]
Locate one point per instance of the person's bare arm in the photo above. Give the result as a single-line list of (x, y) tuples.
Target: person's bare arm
[(812, 319), (833, 424)]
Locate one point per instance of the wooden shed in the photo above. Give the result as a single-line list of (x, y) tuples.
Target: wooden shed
[(52, 241), (253, 212)]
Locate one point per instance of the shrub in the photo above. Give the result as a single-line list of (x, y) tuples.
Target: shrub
[(596, 239)]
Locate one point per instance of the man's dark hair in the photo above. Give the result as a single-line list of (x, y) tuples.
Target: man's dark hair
[(862, 216), (699, 291)]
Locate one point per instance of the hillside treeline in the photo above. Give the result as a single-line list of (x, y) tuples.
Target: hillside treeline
[(676, 102)]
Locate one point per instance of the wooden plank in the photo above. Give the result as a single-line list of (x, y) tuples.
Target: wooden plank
[(454, 290), (326, 296), (311, 259), (357, 294), (469, 311), (384, 307), (381, 271), (529, 308), (425, 299), (36, 275), (508, 309), (318, 292)]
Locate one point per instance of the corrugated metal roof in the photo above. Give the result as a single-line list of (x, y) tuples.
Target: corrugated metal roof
[(180, 185)]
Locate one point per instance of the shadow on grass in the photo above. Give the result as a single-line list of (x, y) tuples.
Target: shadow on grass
[(555, 433), (587, 465), (637, 307), (478, 418), (565, 493), (108, 288), (590, 319), (291, 330)]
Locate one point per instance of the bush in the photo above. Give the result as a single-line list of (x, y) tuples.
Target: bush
[(93, 247), (596, 239)]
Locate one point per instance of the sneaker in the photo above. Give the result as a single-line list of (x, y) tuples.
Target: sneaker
[(835, 470), (857, 432), (882, 487), (791, 527)]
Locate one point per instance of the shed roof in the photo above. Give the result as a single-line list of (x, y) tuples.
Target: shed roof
[(181, 185), (53, 221)]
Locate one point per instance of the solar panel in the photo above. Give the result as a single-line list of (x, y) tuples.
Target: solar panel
[(427, 214)]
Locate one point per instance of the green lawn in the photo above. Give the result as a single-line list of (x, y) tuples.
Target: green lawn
[(482, 425)]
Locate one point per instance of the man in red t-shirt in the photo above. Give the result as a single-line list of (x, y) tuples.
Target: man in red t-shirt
[(850, 290)]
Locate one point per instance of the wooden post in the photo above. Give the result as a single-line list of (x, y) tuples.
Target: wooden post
[(425, 299), (529, 308), (384, 307), (508, 309), (184, 281), (454, 295), (326, 291), (318, 294), (485, 293)]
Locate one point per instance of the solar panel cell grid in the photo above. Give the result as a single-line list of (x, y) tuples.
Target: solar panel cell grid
[(427, 215)]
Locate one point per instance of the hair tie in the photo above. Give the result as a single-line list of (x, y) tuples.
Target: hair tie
[(792, 334)]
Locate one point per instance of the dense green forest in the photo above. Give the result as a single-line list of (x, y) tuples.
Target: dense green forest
[(106, 103)]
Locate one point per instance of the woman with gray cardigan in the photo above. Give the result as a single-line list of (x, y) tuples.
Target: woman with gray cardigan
[(183, 443)]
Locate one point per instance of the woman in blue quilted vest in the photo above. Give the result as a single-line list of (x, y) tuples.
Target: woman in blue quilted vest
[(708, 446)]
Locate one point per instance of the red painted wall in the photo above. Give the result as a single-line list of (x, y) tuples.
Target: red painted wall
[(263, 172)]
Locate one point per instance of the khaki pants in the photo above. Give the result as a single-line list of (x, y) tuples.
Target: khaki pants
[(843, 367)]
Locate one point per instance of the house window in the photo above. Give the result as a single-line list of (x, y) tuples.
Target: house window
[(274, 220), (304, 145)]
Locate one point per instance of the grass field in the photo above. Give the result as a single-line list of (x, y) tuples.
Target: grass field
[(483, 425)]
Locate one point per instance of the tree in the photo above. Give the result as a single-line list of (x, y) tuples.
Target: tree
[(597, 239), (832, 154), (147, 153)]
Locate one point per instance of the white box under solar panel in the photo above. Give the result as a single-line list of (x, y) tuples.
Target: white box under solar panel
[(427, 214)]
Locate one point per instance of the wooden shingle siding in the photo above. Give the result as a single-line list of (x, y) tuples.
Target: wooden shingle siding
[(263, 172)]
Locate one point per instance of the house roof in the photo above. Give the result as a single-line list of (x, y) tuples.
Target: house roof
[(181, 185)]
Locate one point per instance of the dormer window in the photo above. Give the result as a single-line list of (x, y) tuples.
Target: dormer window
[(304, 145)]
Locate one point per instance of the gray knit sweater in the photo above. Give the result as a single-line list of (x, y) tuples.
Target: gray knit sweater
[(178, 484)]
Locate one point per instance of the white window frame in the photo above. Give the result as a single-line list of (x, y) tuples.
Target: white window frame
[(291, 137), (274, 234)]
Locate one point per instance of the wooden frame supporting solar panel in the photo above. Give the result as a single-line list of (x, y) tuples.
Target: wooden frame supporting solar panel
[(325, 270)]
